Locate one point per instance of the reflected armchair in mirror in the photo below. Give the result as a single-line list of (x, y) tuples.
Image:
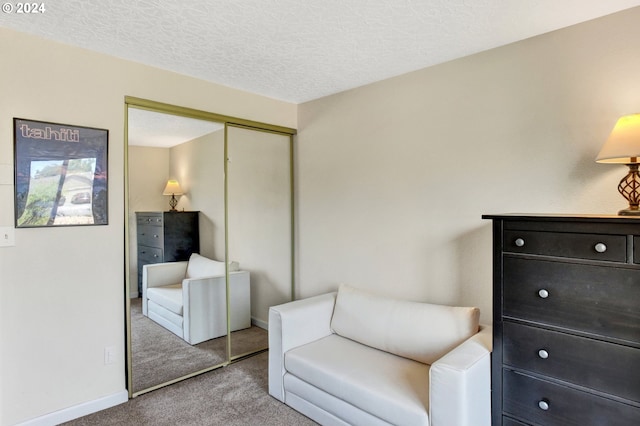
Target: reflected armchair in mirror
[(165, 237), (188, 298)]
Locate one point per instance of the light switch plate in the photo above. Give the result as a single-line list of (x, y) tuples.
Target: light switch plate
[(7, 236)]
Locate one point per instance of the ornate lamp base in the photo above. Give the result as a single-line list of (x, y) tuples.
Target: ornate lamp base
[(173, 203), (629, 188), (629, 212)]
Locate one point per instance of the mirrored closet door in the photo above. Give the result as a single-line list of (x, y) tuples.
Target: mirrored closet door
[(164, 147), (190, 313), (259, 211)]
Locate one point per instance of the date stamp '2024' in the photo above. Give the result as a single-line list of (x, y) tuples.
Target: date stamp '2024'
[(24, 8)]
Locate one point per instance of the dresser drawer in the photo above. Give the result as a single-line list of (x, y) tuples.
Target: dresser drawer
[(151, 236), (153, 219), (595, 364), (149, 255), (581, 246), (526, 398), (594, 299), (507, 421)]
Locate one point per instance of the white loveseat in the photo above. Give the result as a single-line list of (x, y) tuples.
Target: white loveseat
[(355, 358), (189, 298)]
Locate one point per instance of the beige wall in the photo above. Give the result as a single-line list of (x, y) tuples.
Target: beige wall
[(61, 290), (392, 178), (199, 167)]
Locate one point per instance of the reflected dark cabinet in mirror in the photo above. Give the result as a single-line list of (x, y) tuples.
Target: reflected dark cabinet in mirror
[(566, 320), (165, 237)]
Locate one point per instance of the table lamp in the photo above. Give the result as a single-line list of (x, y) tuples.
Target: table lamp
[(173, 189), (623, 147)]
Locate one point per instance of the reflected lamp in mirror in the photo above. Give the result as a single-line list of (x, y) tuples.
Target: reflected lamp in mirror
[(173, 189), (623, 147)]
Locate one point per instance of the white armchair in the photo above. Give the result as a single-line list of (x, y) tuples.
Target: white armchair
[(189, 298), (354, 358)]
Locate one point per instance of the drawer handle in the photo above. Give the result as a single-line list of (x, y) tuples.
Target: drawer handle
[(543, 293), (155, 235), (149, 220), (155, 255), (543, 354), (519, 242), (543, 404), (601, 247)]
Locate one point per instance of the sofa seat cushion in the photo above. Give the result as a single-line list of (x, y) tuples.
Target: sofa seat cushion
[(390, 387), (168, 296), (420, 331)]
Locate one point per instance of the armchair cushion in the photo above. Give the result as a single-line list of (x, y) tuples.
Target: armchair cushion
[(169, 296), (419, 331)]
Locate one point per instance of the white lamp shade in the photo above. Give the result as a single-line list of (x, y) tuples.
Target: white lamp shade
[(172, 188), (623, 144)]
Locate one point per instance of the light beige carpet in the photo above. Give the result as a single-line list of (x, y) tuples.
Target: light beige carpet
[(159, 356), (236, 395)]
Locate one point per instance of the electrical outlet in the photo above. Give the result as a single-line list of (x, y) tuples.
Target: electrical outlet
[(109, 355), (7, 236)]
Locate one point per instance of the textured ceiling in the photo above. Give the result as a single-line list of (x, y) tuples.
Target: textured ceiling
[(299, 50)]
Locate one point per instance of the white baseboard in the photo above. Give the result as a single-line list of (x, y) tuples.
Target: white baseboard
[(79, 410), (260, 323)]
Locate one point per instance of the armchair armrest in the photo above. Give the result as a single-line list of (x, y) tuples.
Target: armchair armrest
[(160, 274), (205, 305), (204, 308), (294, 324), (460, 383)]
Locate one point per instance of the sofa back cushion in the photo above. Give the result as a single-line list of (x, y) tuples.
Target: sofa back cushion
[(420, 331), (201, 267)]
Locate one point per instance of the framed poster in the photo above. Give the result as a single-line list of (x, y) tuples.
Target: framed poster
[(60, 174)]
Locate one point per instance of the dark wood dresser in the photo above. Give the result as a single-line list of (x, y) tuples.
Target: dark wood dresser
[(165, 237), (566, 320)]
